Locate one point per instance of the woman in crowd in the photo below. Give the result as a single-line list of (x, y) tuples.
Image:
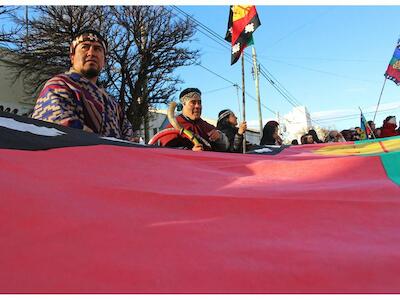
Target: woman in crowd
[(227, 122), (314, 135), (270, 134), (307, 139)]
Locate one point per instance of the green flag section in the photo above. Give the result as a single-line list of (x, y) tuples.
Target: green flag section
[(391, 162), (84, 214), (389, 151), (243, 21)]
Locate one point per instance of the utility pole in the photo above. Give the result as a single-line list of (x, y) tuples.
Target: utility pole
[(257, 83)]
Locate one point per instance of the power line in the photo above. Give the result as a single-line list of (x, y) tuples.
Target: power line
[(217, 38), (217, 90)]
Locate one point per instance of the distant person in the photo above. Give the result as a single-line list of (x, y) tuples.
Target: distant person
[(295, 142), (334, 137), (389, 127), (313, 133), (15, 111), (371, 130), (75, 99), (271, 134), (347, 134), (8, 110), (211, 138), (307, 139), (1, 108), (227, 122)]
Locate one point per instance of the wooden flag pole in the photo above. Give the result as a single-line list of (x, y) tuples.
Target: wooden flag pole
[(243, 103), (379, 101)]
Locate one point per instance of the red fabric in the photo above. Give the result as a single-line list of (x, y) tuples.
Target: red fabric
[(110, 219), (388, 130), (199, 127)]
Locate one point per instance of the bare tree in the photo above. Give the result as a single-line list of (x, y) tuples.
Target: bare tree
[(146, 45), (149, 46), (44, 51), (6, 34)]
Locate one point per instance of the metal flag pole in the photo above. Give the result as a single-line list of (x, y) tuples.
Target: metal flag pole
[(380, 96), (243, 103), (257, 82)]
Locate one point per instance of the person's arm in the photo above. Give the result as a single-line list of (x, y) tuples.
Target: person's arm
[(237, 144), (219, 140), (57, 103), (126, 129)]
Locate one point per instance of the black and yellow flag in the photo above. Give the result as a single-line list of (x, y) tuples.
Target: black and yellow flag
[(243, 21)]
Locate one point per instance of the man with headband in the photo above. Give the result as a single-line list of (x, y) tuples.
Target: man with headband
[(75, 100), (211, 138)]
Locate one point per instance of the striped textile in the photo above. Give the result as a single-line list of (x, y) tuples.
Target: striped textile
[(72, 100)]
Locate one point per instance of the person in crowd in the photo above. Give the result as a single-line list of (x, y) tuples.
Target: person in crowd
[(314, 135), (7, 110), (357, 134), (347, 134), (1, 108), (334, 136), (371, 130), (295, 142), (210, 137), (271, 134), (389, 127), (15, 111), (227, 122), (307, 139), (75, 98)]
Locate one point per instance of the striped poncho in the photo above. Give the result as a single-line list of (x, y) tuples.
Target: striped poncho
[(72, 100)]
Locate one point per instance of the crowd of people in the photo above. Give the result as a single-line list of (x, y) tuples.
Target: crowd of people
[(389, 128), (75, 99)]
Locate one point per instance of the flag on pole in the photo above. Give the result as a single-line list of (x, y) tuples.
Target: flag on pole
[(364, 128), (393, 70), (243, 21)]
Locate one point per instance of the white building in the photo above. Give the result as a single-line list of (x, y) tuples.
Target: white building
[(12, 93), (295, 124)]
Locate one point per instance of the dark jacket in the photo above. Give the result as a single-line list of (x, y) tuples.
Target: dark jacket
[(235, 139)]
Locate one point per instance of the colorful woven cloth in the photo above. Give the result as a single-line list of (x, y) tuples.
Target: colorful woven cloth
[(72, 100)]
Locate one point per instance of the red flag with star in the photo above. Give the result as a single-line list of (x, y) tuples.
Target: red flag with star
[(243, 21)]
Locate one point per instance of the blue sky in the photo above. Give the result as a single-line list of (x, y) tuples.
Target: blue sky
[(330, 58)]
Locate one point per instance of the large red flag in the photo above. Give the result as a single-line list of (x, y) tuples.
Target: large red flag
[(110, 217)]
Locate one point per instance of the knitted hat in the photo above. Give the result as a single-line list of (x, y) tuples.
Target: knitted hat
[(224, 113)]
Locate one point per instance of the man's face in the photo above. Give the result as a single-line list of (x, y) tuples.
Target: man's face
[(88, 59), (192, 108)]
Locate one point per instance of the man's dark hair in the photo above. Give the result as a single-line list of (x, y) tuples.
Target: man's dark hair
[(189, 90)]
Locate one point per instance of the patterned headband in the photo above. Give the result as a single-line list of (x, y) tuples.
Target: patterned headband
[(87, 36), (225, 114), (189, 96)]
